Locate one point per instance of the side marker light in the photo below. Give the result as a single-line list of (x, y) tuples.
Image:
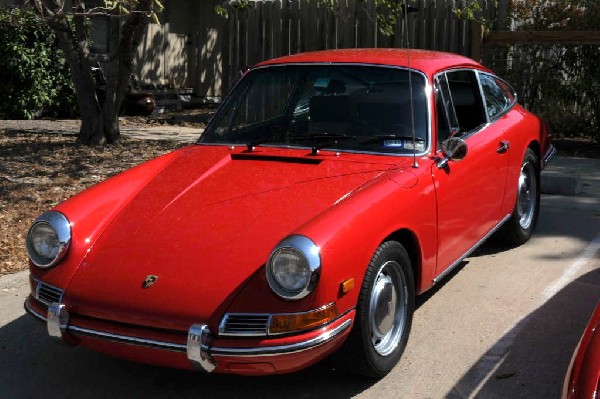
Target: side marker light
[(347, 285)]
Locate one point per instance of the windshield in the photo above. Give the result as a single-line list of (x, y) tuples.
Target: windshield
[(342, 107)]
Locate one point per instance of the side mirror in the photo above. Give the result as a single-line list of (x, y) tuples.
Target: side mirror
[(453, 149)]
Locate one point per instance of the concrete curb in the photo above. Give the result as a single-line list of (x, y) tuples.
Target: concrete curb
[(556, 184), (572, 176)]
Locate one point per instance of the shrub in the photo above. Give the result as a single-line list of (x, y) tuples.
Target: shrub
[(34, 74)]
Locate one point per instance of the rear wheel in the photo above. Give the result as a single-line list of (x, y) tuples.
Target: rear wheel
[(519, 228), (383, 314)]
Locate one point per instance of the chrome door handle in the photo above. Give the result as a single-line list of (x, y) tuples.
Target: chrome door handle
[(504, 146)]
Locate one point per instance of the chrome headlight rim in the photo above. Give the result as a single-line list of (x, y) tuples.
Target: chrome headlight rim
[(62, 229), (306, 248)]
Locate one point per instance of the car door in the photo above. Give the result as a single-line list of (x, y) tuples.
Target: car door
[(469, 192)]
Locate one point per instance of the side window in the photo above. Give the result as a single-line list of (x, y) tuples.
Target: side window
[(498, 95), (466, 99)]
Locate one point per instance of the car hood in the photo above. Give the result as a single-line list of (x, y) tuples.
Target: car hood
[(204, 225)]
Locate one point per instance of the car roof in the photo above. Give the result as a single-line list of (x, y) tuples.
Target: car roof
[(429, 62)]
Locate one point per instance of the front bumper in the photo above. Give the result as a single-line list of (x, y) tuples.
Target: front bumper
[(203, 350)]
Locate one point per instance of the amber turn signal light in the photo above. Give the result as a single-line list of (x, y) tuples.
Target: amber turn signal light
[(347, 285), (292, 322)]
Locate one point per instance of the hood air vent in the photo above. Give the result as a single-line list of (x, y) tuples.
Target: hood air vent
[(275, 158)]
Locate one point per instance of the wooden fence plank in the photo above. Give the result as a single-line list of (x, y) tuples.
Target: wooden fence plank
[(431, 25), (276, 21), (311, 37), (294, 26), (285, 28), (443, 24)]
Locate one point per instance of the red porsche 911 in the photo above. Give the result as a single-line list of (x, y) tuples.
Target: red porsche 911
[(583, 377), (329, 189)]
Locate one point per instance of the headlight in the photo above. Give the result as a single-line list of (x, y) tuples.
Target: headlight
[(48, 239), (294, 267)]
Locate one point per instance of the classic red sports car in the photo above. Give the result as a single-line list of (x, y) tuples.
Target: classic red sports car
[(328, 190), (583, 377)]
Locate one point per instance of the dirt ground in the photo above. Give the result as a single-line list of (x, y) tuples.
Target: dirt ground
[(39, 170)]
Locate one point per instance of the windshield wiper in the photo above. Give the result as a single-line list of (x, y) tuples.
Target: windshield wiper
[(327, 138), (320, 141), (253, 144)]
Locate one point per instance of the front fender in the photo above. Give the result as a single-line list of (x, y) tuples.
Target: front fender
[(350, 232)]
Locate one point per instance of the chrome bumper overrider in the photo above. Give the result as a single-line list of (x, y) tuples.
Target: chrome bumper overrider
[(199, 338)]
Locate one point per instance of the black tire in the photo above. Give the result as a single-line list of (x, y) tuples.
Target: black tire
[(518, 229), (380, 333)]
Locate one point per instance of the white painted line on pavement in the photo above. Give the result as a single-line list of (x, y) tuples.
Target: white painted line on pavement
[(588, 253), (493, 358)]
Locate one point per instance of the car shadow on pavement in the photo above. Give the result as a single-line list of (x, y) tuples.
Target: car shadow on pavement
[(531, 359), (35, 365)]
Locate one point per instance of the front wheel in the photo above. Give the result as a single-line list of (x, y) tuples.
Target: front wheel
[(519, 228), (383, 314)]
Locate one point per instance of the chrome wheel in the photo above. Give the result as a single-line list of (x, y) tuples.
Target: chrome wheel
[(383, 314), (527, 196), (387, 311), (519, 227)]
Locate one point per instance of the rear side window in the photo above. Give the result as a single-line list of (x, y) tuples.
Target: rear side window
[(499, 96)]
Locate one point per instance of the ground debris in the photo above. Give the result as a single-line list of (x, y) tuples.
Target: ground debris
[(37, 171), (503, 376)]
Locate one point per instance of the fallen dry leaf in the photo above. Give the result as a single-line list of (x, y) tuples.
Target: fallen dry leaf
[(37, 171)]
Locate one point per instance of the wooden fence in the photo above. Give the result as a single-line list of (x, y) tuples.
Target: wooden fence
[(555, 74), (280, 27)]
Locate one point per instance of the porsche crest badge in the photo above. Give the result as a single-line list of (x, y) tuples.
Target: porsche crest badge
[(149, 281)]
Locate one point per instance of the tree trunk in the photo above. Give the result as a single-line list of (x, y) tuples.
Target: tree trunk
[(99, 113), (102, 125)]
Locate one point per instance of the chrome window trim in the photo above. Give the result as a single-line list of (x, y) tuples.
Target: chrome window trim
[(319, 340), (438, 85), (475, 131), (428, 97), (482, 95)]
